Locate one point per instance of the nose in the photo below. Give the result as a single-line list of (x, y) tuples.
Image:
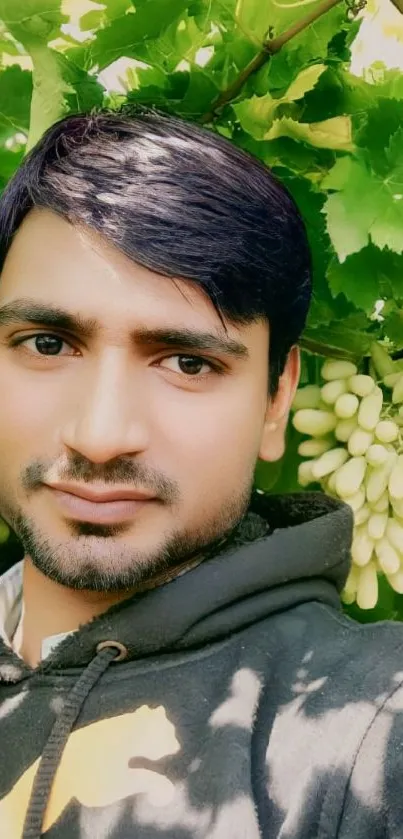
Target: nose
[(107, 411)]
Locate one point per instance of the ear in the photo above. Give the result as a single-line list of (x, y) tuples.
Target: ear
[(272, 444)]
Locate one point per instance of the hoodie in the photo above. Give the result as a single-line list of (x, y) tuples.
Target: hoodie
[(235, 702)]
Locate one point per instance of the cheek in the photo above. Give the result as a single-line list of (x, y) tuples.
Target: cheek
[(25, 408), (27, 421), (211, 434)]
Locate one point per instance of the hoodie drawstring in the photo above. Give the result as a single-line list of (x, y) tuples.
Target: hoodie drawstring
[(107, 652)]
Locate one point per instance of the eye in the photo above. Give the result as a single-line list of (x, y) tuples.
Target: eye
[(191, 365), (49, 344), (45, 343)]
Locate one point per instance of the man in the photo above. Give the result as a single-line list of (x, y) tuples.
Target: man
[(174, 660)]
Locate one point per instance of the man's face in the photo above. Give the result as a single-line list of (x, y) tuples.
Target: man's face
[(108, 408)]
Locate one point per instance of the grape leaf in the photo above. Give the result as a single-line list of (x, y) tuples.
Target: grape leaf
[(378, 125), (257, 113), (388, 83), (85, 91), (324, 308), (60, 87), (339, 174), (254, 17), (15, 99), (312, 43), (307, 47), (125, 34), (8, 47), (306, 80), (92, 20), (332, 133), (278, 73), (393, 327), (338, 93), (339, 337), (352, 222), (32, 19), (358, 277), (48, 102), (201, 91), (9, 162)]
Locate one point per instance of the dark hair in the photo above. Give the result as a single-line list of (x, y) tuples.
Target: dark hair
[(181, 200)]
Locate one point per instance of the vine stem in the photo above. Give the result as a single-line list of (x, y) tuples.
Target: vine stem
[(269, 48), (327, 350)]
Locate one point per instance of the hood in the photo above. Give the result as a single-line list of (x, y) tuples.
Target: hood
[(286, 550)]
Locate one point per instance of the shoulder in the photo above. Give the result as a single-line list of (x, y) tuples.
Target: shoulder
[(333, 674), (374, 798), (338, 727)]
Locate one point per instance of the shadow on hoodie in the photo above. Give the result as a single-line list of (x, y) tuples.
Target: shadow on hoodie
[(247, 704)]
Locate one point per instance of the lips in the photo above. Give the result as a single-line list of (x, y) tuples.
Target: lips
[(112, 511), (99, 496)]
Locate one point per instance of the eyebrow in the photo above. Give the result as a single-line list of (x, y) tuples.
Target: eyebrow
[(32, 311)]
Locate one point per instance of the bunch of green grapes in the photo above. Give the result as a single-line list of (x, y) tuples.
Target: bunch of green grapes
[(354, 450)]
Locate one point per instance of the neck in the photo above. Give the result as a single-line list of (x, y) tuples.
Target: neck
[(50, 608)]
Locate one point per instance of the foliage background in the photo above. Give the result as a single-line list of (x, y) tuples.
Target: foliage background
[(322, 108)]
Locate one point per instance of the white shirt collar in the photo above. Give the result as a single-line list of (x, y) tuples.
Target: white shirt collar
[(12, 613)]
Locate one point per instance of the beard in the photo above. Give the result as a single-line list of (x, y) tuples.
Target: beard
[(85, 563)]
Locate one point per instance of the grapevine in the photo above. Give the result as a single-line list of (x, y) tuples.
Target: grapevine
[(353, 424), (279, 80)]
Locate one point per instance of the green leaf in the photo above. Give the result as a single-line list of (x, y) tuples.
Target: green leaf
[(254, 17), (378, 125), (92, 20), (339, 337), (278, 73), (9, 162), (85, 91), (59, 87), (313, 43), (393, 327), (256, 114), (353, 222), (339, 174), (127, 33), (387, 83), (358, 278), (305, 81), (15, 99), (200, 93), (49, 93), (324, 307), (8, 47), (337, 93), (32, 19), (331, 134)]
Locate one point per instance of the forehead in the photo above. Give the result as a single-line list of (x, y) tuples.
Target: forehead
[(78, 270), (51, 257)]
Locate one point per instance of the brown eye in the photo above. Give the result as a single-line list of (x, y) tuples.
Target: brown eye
[(42, 343), (48, 344), (189, 365)]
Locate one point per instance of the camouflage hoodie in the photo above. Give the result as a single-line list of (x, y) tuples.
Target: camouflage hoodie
[(235, 702)]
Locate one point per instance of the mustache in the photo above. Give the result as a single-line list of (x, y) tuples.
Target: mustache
[(133, 475)]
